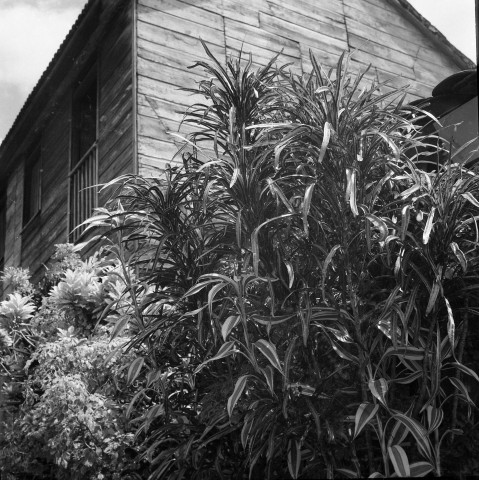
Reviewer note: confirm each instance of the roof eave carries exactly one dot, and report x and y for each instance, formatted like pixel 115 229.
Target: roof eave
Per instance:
pixel 30 103
pixel 461 60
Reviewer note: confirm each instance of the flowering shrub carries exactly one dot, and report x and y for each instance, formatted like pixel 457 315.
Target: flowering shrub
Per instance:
pixel 18 279
pixel 77 289
pixel 63 397
pixel 64 258
pixel 77 430
pixel 17 309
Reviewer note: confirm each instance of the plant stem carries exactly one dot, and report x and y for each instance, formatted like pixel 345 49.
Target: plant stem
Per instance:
pixel 383 446
pixel 426 366
pixel 460 353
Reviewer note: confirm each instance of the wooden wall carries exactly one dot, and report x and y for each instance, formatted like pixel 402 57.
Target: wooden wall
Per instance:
pixel 144 48
pixel 13 217
pixel 49 227
pixel 109 39
pixel 168 33
pixel 115 140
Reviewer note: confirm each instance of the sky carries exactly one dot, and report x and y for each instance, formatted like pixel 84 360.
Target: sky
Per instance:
pixel 32 30
pixel 30 33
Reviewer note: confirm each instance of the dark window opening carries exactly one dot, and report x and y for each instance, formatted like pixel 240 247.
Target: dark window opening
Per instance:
pixel 84 171
pixel 32 192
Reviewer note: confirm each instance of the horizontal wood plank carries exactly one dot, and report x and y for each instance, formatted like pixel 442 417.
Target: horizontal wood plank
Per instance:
pixel 184 44
pixel 307 36
pixel 322 10
pixel 187 11
pixel 157 108
pixel 262 38
pixel 308 18
pixel 164 91
pixel 260 56
pixel 153 147
pixel 176 77
pixel 176 24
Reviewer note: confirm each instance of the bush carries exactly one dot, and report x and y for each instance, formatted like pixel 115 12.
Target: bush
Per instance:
pixel 295 300
pixel 66 384
pixel 306 286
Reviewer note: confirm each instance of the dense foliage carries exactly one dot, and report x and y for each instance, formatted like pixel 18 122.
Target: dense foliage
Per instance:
pixel 299 298
pixel 63 386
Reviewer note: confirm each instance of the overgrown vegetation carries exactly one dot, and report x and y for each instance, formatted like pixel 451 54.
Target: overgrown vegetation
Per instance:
pixel 298 299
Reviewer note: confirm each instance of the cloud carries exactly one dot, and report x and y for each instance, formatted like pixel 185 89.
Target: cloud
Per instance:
pixel 44 5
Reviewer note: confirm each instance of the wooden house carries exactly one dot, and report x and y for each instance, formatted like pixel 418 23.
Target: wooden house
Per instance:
pixel 109 98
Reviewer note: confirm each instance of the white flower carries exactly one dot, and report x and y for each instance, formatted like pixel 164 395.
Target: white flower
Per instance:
pixel 17 308
pixel 78 288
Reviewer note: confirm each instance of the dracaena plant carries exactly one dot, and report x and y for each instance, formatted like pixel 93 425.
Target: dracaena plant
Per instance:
pixel 304 288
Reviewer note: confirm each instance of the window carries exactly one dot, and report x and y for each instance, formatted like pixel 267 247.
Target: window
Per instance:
pixel 32 194
pixel 84 169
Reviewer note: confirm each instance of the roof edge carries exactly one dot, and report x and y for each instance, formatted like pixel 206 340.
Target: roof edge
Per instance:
pixel 459 58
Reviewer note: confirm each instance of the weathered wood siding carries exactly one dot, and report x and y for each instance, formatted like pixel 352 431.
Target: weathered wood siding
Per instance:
pixel 49 226
pixel 168 33
pixel 115 136
pixel 13 217
pixel 110 42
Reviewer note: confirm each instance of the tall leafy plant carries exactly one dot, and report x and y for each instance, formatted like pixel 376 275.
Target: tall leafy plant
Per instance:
pixel 307 287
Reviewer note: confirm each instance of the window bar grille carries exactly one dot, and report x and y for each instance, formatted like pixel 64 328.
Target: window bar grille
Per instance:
pixel 83 194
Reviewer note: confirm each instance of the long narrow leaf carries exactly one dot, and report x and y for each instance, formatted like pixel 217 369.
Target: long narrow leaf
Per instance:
pixel 407 352
pixel 420 469
pixel 405 216
pixel 268 373
pixel 326 265
pixel 269 351
pixel 379 389
pixel 364 414
pixel 436 288
pixel 344 353
pixel 399 460
pixel 459 255
pixel 464 369
pixel 212 293
pixel 134 370
pixel 418 432
pixel 470 197
pixel 294 457
pixel 255 243
pixel 347 473
pixel 434 418
pixel 308 196
pixel 120 325
pixel 462 389
pixel 229 324
pixel 237 391
pixel 398 434
pixel 428 227
pixel 325 142
pixel 451 326
pixel 226 349
pixel 276 190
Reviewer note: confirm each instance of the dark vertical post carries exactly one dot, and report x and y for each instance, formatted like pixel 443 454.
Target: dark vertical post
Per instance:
pixel 477 33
